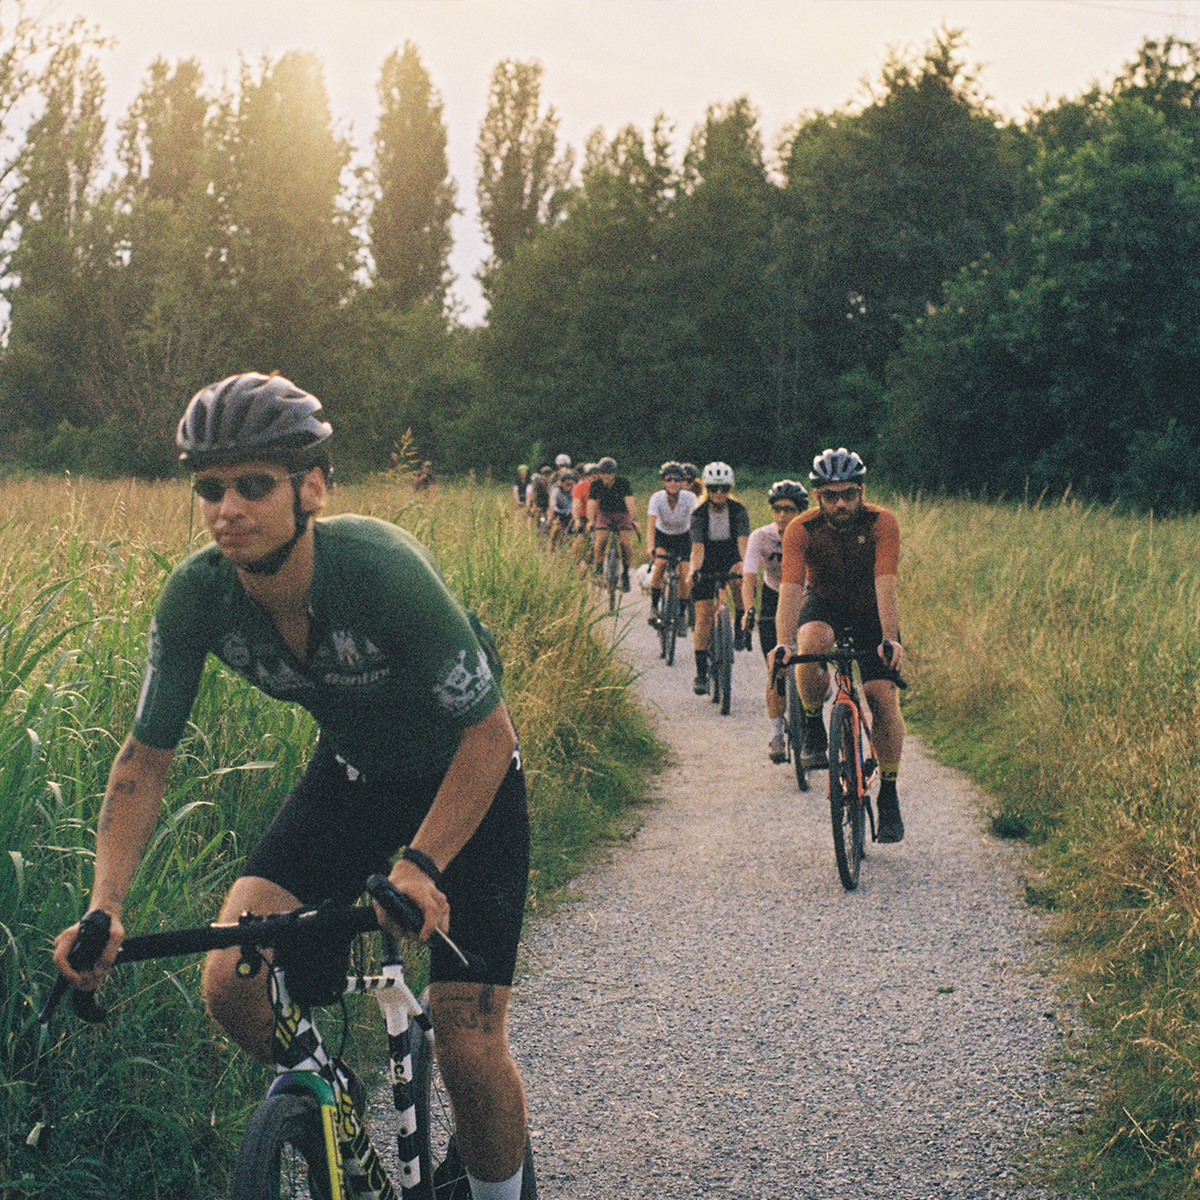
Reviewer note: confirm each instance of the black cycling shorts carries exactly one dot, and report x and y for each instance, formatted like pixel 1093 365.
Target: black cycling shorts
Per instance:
pixel 332 832
pixel 863 627
pixel 678 545
pixel 718 558
pixel 766 620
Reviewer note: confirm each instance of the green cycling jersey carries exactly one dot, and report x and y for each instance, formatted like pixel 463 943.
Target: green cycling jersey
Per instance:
pixel 395 667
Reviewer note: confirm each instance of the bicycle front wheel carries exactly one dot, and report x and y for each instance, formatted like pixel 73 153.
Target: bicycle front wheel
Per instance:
pixel 724 636
pixel 435 1122
pixel 845 798
pixel 612 573
pixel 793 727
pixel 282 1155
pixel 670 619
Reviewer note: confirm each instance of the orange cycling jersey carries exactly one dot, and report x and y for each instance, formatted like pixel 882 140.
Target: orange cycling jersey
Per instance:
pixel 841 562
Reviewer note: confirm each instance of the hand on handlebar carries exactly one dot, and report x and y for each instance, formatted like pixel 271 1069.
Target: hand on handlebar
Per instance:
pixel 86 973
pixel 408 878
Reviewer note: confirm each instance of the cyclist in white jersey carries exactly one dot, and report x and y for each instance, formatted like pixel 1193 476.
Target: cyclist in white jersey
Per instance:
pixel 669 522
pixel 764 557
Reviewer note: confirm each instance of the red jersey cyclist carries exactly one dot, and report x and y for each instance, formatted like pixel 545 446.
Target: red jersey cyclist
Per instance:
pixel 764 557
pixel 720 531
pixel 846 551
pixel 668 534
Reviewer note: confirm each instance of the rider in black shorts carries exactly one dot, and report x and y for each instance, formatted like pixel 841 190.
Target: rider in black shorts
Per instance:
pixel 764 557
pixel 350 618
pixel 720 531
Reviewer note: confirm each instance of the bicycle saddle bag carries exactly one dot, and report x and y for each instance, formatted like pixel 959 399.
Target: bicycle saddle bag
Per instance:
pixel 314 965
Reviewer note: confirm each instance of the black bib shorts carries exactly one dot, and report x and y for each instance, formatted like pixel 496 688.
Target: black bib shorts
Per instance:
pixel 338 827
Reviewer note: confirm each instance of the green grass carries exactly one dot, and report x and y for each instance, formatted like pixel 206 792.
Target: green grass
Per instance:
pixel 1055 653
pixel 151 1104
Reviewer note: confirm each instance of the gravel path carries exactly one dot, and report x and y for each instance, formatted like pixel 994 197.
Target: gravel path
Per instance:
pixel 715 1017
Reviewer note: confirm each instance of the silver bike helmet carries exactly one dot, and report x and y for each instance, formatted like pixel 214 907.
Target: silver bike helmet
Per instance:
pixel 837 466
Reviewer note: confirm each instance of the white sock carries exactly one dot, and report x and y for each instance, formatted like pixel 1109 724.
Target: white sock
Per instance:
pixel 506 1189
pixel 777 724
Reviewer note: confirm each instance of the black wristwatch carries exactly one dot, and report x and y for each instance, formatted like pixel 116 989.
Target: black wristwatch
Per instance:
pixel 423 863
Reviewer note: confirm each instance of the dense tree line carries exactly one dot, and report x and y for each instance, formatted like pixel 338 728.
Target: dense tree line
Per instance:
pixel 974 303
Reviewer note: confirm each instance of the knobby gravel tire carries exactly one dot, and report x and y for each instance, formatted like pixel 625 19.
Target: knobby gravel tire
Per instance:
pixel 282 1155
pixel 845 803
pixel 612 575
pixel 671 616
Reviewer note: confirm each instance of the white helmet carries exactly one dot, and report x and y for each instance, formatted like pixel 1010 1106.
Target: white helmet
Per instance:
pixel 563 460
pixel 718 473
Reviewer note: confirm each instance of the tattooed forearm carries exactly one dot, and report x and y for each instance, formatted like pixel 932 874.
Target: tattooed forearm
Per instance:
pixel 127 754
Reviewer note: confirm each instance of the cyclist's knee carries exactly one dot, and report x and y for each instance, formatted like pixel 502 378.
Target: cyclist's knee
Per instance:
pixel 241 1007
pixel 815 637
pixel 469 1022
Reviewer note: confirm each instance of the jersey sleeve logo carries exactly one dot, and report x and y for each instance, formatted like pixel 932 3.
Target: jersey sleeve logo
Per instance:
pixel 235 651
pixel 462 688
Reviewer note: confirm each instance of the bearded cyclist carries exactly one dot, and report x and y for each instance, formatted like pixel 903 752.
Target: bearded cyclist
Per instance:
pixel 764 557
pixel 720 531
pixel 847 552
pixel 350 618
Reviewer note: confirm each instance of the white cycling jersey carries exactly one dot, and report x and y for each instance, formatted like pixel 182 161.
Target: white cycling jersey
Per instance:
pixel 764 555
pixel 670 520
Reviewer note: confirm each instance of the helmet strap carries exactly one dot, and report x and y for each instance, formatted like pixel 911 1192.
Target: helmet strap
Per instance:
pixel 272 562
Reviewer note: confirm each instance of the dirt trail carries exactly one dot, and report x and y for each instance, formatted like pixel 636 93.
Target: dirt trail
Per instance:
pixel 716 1017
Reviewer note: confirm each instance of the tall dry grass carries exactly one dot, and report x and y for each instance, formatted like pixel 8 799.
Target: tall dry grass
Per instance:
pixel 1056 657
pixel 152 1103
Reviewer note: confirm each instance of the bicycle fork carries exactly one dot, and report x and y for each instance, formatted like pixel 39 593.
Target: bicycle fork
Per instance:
pixel 303 1065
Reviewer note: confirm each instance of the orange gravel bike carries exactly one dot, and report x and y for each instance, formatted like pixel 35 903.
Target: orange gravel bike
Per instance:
pixel 853 763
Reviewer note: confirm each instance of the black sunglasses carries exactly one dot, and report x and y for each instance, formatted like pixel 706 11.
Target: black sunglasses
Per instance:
pixel 672 479
pixel 256 486
pixel 719 487
pixel 847 494
pixel 784 508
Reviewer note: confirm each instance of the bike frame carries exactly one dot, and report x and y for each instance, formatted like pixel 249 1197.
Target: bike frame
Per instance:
pixel 302 1064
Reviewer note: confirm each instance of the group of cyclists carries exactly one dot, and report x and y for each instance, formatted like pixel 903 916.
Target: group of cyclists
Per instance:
pixel 416 773
pixel 814 572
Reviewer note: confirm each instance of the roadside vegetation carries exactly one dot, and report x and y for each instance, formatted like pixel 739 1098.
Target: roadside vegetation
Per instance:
pixel 1055 649
pixel 151 1104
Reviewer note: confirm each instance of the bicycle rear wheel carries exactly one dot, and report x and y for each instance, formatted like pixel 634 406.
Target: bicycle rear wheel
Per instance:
pixel 282 1155
pixel 845 799
pixel 793 725
pixel 441 1164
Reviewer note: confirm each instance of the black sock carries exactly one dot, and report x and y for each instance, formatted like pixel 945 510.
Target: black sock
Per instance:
pixel 655 597
pixel 701 662
pixel 887 787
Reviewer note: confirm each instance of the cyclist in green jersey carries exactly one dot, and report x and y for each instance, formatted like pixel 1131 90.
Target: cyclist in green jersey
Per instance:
pixel 350 618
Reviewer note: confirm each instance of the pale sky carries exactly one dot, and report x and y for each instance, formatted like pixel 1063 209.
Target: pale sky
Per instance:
pixel 611 62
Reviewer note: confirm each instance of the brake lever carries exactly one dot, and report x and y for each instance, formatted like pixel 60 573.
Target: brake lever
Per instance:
pixel 407 913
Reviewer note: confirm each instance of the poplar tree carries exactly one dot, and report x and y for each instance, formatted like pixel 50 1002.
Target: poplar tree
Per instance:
pixel 410 223
pixel 292 250
pixel 522 178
